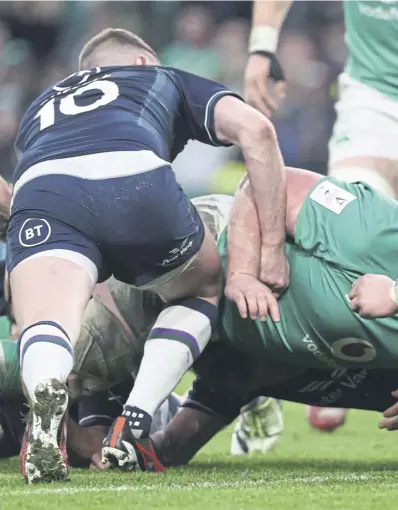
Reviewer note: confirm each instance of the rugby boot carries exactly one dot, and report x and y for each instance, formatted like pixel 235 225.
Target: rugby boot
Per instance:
pixel 43 453
pixel 121 449
pixel 258 428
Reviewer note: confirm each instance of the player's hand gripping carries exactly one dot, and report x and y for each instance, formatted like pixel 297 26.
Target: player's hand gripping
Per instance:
pixel 371 296
pixel 274 269
pixel 258 92
pixel 252 298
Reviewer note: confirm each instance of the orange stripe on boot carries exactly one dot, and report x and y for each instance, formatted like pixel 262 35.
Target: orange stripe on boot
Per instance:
pixel 157 465
pixel 118 427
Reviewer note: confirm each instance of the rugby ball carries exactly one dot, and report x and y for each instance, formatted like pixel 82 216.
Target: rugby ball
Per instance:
pixel 325 419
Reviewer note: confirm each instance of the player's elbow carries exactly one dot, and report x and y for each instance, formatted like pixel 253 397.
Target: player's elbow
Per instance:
pixel 261 129
pixel 258 131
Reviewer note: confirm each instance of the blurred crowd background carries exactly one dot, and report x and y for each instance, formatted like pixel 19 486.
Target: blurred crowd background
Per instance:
pixel 40 42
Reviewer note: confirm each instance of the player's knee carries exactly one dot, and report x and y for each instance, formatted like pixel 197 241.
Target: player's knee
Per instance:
pixel 370 176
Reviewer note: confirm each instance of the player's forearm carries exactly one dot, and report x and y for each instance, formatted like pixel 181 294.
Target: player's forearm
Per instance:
pixel 238 123
pixel 267 20
pixel 84 442
pixel 244 238
pixel 270 12
pixel 267 177
pixel 185 435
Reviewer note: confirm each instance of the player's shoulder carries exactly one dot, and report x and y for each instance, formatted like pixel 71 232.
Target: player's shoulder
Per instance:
pixel 84 76
pixel 126 74
pixel 185 78
pixel 45 96
pixel 151 72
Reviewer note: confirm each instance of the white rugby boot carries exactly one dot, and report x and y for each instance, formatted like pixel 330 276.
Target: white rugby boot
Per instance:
pixel 259 427
pixel 43 454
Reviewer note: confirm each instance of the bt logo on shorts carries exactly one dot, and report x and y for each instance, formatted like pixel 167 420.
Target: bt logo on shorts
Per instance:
pixel 33 232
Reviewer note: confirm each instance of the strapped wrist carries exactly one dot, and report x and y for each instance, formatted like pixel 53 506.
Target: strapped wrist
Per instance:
pixel 263 38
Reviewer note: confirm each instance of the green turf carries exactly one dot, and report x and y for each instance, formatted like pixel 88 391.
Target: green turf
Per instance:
pixel 353 468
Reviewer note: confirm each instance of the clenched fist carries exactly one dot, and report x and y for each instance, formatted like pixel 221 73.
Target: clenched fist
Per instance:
pixel 371 296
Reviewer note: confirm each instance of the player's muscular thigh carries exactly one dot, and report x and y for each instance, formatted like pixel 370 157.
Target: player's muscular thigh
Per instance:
pixel 32 286
pixel 383 168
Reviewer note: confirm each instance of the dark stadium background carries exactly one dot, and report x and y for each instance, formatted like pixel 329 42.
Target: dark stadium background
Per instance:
pixel 40 41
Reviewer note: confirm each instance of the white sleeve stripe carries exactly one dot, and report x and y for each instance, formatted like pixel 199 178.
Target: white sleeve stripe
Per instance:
pixel 209 102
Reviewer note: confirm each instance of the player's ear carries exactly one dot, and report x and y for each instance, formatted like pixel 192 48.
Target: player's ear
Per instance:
pixel 141 60
pixel 145 60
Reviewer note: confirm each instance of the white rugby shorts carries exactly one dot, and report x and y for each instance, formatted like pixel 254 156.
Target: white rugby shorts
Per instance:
pixel 366 123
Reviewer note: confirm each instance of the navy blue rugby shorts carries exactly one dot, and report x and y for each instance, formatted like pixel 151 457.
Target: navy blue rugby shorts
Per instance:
pixel 120 213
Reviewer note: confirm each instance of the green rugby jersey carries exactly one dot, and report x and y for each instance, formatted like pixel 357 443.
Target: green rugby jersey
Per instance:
pixel 343 231
pixel 372 40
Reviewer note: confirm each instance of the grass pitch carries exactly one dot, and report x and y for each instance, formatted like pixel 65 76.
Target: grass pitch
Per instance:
pixel 353 468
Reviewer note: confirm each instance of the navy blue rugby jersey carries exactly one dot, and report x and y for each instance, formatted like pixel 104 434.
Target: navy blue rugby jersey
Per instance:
pixel 119 108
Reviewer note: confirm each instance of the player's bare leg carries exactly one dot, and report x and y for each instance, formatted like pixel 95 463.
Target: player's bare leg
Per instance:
pixel 193 317
pixel 49 297
pixel 177 338
pixel 380 173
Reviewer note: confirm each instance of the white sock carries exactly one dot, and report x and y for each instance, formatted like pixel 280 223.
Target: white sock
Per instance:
pixel 164 364
pixel 45 353
pixel 177 338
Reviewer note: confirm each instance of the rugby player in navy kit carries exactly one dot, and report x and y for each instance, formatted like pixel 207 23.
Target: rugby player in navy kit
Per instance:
pixel 95 195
